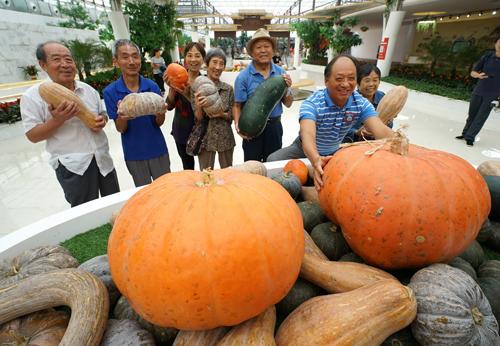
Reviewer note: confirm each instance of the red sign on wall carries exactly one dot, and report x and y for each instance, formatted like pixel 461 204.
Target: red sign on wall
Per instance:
pixel 382 48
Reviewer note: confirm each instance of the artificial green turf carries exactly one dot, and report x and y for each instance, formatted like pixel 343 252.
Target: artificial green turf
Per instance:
pixel 90 244
pixel 95 243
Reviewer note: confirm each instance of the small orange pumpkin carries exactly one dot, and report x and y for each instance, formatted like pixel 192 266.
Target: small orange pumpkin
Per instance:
pixel 177 75
pixel 199 250
pixel 298 168
pixel 404 210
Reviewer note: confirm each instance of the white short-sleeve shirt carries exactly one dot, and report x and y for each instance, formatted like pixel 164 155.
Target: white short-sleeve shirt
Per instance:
pixel 73 144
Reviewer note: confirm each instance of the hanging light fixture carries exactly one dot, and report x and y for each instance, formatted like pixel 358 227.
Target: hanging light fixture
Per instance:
pixel 468 15
pixel 494 12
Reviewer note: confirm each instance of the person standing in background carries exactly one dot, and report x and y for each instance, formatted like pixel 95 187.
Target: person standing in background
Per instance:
pixel 487 90
pixel 158 65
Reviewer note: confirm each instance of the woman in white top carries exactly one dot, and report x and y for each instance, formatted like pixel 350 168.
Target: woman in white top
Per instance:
pixel 158 65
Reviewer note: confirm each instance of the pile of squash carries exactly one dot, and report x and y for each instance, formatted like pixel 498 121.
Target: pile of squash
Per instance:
pixel 232 258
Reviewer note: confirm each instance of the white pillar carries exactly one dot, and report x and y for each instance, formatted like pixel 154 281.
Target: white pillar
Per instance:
pixel 207 43
pixel 119 25
pixel 390 35
pixel 296 52
pixel 174 53
pixel 330 53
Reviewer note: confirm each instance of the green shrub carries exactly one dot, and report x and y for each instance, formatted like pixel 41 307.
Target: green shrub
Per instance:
pixel 457 92
pixel 100 80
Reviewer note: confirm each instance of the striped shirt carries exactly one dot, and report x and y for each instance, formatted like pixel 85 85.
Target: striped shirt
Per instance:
pixel 333 122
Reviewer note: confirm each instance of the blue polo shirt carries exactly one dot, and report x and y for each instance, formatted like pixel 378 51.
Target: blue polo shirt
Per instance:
pixel 333 122
pixel 249 79
pixel 143 139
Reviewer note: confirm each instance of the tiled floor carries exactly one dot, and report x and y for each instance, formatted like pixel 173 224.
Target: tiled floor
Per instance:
pixel 29 190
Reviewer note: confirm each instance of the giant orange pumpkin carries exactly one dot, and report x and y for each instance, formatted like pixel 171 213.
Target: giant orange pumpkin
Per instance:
pixel 410 210
pixel 198 250
pixel 177 76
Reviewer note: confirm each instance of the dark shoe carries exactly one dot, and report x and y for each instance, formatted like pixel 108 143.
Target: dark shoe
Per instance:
pixel 470 143
pixel 460 137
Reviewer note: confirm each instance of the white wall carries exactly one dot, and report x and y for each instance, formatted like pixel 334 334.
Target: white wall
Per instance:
pixel 372 37
pixel 21 32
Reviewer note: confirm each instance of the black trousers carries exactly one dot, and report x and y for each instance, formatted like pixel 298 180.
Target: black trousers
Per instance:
pixel 79 189
pixel 270 140
pixel 479 110
pixel 187 160
pixel 159 80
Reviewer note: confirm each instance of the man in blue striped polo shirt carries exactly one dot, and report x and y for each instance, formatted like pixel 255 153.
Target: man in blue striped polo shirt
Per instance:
pixel 328 115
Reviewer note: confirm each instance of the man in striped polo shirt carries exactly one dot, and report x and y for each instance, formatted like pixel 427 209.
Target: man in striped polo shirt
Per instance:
pixel 328 115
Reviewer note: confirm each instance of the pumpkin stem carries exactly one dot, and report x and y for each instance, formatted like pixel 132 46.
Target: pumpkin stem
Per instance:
pixel 477 316
pixel 399 143
pixel 208 178
pixel 13 270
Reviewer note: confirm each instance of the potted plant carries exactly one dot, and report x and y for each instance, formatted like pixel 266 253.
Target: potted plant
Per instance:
pixel 30 70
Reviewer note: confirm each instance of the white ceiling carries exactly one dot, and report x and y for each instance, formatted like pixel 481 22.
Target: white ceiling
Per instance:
pixel 277 7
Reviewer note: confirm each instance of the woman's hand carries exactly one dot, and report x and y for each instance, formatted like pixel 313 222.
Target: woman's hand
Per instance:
pixel 166 79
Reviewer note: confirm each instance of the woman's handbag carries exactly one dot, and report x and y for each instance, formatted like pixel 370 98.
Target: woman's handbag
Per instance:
pixel 196 136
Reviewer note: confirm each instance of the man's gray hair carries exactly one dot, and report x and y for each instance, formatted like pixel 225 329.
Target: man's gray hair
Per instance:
pixel 215 53
pixel 123 42
pixel 40 50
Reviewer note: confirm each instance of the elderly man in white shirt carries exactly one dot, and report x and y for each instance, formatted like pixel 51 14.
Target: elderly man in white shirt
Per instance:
pixel 79 155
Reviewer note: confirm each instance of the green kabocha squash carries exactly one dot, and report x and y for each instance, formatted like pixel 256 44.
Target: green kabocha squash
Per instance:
pixel 493 241
pixel 489 280
pixel 330 240
pixel 351 257
pixel 460 263
pixel 474 254
pixel 451 309
pixel 312 215
pixel 256 111
pixel 162 335
pixel 485 232
pixel 402 338
pixel 126 333
pixel 289 181
pixel 301 291
pixel 493 183
pixel 99 266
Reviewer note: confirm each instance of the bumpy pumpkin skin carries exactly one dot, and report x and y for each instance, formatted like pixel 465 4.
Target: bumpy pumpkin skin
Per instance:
pixel 187 253
pixel 404 211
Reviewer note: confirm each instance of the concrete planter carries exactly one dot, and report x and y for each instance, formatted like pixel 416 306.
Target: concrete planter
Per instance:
pixel 312 68
pixel 68 223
